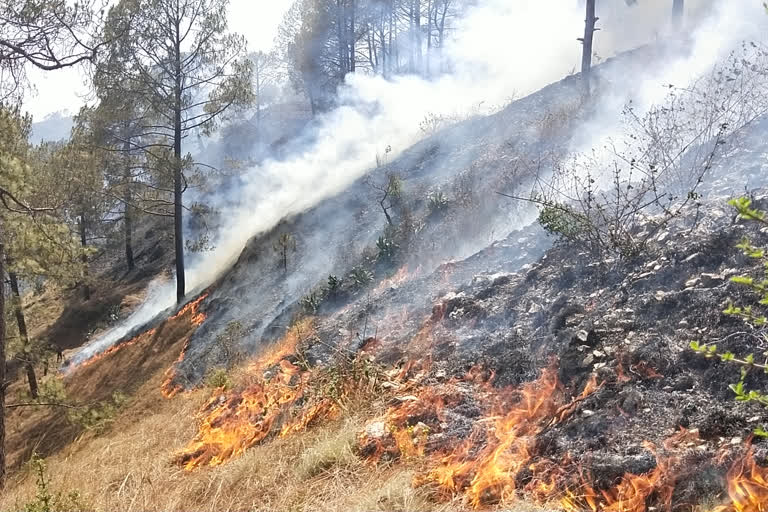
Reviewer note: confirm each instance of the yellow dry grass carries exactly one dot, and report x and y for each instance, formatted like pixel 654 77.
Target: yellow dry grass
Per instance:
pixel 129 468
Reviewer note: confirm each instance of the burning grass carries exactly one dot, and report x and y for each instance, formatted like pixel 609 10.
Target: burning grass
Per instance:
pixel 283 397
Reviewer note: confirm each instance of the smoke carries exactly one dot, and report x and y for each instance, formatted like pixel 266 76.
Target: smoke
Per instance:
pixel 502 49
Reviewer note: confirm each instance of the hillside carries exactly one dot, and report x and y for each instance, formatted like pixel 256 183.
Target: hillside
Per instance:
pixel 419 341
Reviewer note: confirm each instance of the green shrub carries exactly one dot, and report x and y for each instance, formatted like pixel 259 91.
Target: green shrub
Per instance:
pixel 334 286
pixel 752 316
pixel 218 378
pixel 387 247
pixel 360 276
pixel 437 201
pixel 100 416
pixel 311 303
pixel 48 501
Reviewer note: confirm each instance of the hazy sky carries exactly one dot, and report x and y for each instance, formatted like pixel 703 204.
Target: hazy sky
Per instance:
pixel 65 90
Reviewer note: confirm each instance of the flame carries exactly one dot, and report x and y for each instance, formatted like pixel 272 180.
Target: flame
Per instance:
pixel 396 280
pixel 747 485
pixel 238 420
pixel 629 495
pixel 117 347
pixel 284 347
pixel 169 388
pixel 489 476
pixel 196 319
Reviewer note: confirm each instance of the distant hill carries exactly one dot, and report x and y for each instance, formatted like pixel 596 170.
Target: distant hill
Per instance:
pixel 53 127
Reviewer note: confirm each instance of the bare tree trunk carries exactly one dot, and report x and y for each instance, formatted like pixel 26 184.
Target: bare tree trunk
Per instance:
pixel 352 38
pixel 128 211
pixel 257 72
pixel 589 32
pixel 23 334
pixel 84 257
pixel 340 35
pixel 177 177
pixel 417 35
pixel 678 8
pixel 3 384
pixel 429 37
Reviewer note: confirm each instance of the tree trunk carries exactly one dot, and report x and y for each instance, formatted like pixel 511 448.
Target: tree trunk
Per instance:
pixel 84 258
pixel 21 321
pixel 178 234
pixel 417 36
pixel 257 76
pixel 341 36
pixel 589 32
pixel 2 369
pixel 352 37
pixel 428 69
pixel 678 8
pixel 128 212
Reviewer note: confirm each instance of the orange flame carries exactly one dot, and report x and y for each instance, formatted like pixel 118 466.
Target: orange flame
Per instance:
pixel 747 485
pixel 169 388
pixel 196 319
pixel 115 348
pixel 238 420
pixel 629 495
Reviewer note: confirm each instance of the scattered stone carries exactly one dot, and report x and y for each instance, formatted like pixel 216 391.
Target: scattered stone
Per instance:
pixel 711 280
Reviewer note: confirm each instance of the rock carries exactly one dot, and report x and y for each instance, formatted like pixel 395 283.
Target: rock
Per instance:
pixel 694 281
pixel 692 257
pixel 632 402
pixel 683 383
pixel 712 280
pixel 376 430
pixel 683 323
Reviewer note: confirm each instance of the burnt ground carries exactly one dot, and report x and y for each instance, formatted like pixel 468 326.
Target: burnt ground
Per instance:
pixel 629 323
pixel 517 305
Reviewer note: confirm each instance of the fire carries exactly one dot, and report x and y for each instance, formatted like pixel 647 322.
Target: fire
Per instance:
pixel 396 280
pixel 284 347
pixel 196 318
pixel 241 420
pixel 115 348
pixel 629 495
pixel 278 404
pixel 490 474
pixel 747 485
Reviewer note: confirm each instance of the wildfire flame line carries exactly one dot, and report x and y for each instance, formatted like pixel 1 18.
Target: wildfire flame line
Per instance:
pixel 196 319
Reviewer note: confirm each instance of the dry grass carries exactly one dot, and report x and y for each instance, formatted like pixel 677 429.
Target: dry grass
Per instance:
pixel 129 467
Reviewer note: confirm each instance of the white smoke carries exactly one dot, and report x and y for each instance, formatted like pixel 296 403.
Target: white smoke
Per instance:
pixel 501 49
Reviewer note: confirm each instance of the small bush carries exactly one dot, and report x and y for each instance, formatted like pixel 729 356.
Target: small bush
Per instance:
pixel 218 378
pixel 311 303
pixel 227 344
pixel 334 286
pixel 100 416
pixel 751 315
pixel 48 501
pixel 437 201
pixel 360 276
pixel 387 247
